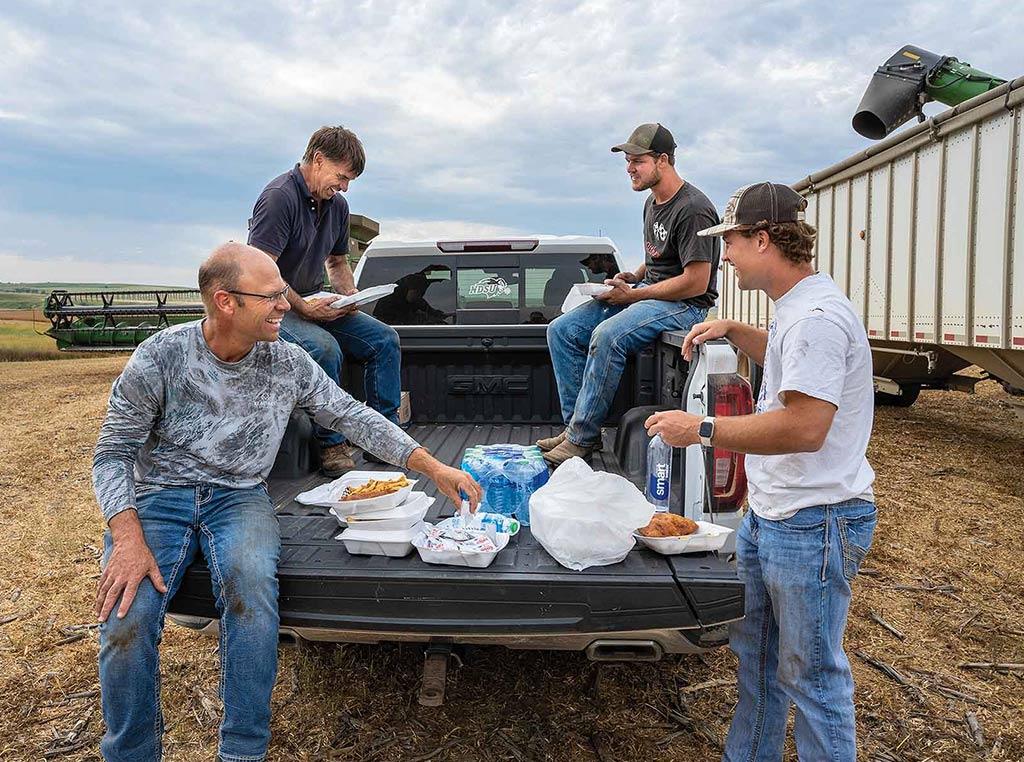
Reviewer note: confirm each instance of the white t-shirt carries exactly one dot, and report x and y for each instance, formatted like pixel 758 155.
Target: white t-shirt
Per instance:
pixel 816 346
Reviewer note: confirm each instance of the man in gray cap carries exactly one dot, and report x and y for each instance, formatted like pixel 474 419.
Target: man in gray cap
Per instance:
pixel 812 512
pixel 672 290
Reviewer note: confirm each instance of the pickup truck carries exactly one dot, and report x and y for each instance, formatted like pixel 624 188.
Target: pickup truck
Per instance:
pixel 472 318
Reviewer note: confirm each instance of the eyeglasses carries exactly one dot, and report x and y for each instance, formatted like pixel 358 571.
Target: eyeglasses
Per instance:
pixel 269 297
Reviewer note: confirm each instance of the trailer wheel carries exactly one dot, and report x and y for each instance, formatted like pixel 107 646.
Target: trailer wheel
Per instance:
pixel 906 399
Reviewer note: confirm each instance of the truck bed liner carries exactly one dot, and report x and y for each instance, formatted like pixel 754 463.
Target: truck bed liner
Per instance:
pixel 524 592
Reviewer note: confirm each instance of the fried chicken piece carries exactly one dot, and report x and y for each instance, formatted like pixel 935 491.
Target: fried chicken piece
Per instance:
pixel 669 525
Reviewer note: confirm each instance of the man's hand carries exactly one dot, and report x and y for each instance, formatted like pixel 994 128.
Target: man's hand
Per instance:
pixel 129 564
pixel 321 311
pixel 621 293
pixel 455 483
pixel 626 277
pixel 706 331
pixel 677 428
pixel 451 481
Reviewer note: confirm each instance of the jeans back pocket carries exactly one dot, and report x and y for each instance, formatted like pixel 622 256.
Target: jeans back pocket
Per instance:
pixel 855 534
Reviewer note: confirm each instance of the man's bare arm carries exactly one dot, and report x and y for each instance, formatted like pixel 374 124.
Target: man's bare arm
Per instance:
pixel 750 340
pixel 801 426
pixel 339 273
pixel 692 282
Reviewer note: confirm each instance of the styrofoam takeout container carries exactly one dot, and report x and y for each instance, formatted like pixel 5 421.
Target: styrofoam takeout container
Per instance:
pixel 473 559
pixel 367 295
pixel 593 289
pixel 708 537
pixel 394 543
pixel 408 514
pixel 329 495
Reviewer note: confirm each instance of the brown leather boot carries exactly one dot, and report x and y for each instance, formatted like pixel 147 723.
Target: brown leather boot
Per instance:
pixel 337 459
pixel 566 450
pixel 551 442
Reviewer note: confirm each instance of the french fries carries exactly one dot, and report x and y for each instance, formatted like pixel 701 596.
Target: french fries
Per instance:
pixel 375 488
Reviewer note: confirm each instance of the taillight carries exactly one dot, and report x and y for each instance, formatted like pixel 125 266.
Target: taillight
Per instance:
pixel 730 395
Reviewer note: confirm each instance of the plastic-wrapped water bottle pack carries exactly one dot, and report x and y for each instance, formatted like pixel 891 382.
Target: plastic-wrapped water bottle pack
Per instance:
pixel 509 475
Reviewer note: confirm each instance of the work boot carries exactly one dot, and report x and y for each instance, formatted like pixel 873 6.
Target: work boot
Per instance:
pixel 337 459
pixel 566 450
pixel 552 442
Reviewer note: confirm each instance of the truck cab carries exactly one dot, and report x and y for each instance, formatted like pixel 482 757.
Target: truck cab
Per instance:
pixel 472 318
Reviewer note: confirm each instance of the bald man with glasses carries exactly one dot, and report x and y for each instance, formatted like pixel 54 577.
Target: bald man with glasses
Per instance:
pixel 192 429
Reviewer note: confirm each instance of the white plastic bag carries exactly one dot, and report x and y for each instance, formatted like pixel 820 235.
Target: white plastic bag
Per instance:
pixel 587 518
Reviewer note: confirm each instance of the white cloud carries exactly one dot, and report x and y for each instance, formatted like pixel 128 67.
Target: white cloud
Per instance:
pixel 482 111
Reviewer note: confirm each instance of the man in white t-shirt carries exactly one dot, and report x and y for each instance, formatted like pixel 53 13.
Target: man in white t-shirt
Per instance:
pixel 812 512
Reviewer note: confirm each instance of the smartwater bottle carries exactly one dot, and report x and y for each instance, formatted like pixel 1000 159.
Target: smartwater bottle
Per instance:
pixel 659 473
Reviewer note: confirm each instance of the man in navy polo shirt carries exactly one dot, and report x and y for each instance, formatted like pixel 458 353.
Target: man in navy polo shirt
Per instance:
pixel 301 220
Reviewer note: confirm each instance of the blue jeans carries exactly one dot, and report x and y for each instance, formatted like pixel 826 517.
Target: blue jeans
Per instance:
pixel 237 532
pixel 589 346
pixel 797 574
pixel 364 339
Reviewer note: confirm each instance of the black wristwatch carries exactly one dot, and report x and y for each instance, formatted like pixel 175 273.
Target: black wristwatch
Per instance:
pixel 706 430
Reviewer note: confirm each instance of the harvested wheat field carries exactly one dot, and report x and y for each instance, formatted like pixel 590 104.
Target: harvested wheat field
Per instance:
pixel 942 587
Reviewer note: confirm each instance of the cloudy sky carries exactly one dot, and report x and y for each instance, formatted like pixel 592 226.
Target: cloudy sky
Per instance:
pixel 136 136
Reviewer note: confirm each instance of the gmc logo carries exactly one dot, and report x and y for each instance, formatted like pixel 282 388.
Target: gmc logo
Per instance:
pixel 488 384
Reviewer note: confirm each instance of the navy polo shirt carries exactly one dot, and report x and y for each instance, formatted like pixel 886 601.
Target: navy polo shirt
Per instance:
pixel 287 223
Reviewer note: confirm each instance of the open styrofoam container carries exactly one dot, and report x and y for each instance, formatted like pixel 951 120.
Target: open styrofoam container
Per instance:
pixel 329 495
pixel 593 289
pixel 394 543
pixel 402 516
pixel 707 537
pixel 474 559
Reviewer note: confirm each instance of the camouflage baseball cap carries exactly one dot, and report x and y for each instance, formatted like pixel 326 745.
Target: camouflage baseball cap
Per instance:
pixel 757 204
pixel 648 138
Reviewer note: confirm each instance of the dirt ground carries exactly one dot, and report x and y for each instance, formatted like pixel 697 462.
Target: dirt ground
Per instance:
pixel 945 571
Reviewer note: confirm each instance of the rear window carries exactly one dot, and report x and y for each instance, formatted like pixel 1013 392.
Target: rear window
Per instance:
pixel 425 293
pixel 438 290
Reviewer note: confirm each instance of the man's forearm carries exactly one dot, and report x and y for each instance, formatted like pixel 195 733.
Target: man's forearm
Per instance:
pixel 691 283
pixel 339 273
pixel 773 433
pixel 422 461
pixel 750 340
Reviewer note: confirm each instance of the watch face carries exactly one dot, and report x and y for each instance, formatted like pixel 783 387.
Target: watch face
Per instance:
pixel 706 429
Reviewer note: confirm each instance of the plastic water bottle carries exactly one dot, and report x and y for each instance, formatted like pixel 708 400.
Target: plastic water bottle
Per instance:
pixel 523 473
pixel 659 473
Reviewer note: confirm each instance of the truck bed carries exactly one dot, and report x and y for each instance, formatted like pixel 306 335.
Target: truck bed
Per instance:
pixel 525 598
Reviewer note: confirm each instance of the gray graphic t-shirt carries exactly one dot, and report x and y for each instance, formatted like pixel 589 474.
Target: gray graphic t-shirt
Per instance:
pixel 179 416
pixel 671 241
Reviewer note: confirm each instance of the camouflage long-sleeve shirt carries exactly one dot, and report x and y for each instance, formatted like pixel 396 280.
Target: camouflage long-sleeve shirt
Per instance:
pixel 179 416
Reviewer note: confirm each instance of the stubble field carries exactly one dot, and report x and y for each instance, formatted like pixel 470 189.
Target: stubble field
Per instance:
pixel 945 572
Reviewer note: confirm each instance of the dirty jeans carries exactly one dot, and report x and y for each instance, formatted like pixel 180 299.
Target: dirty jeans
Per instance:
pixel 237 532
pixel 589 346
pixel 365 340
pixel 797 574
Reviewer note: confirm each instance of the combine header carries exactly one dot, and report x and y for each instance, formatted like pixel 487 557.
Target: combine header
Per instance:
pixel 116 321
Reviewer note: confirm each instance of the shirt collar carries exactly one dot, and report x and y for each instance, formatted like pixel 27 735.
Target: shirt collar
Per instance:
pixel 304 193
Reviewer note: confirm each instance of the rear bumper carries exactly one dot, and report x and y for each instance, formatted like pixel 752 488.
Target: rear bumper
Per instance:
pixel 661 641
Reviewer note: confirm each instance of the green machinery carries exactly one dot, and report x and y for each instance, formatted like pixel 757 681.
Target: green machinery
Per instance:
pixel 105 321
pixel 909 79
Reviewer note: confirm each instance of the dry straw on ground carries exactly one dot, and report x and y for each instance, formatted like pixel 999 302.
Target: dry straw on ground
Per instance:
pixel 945 573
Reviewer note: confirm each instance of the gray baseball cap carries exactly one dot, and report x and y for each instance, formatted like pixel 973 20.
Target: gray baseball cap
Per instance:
pixel 758 204
pixel 648 138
